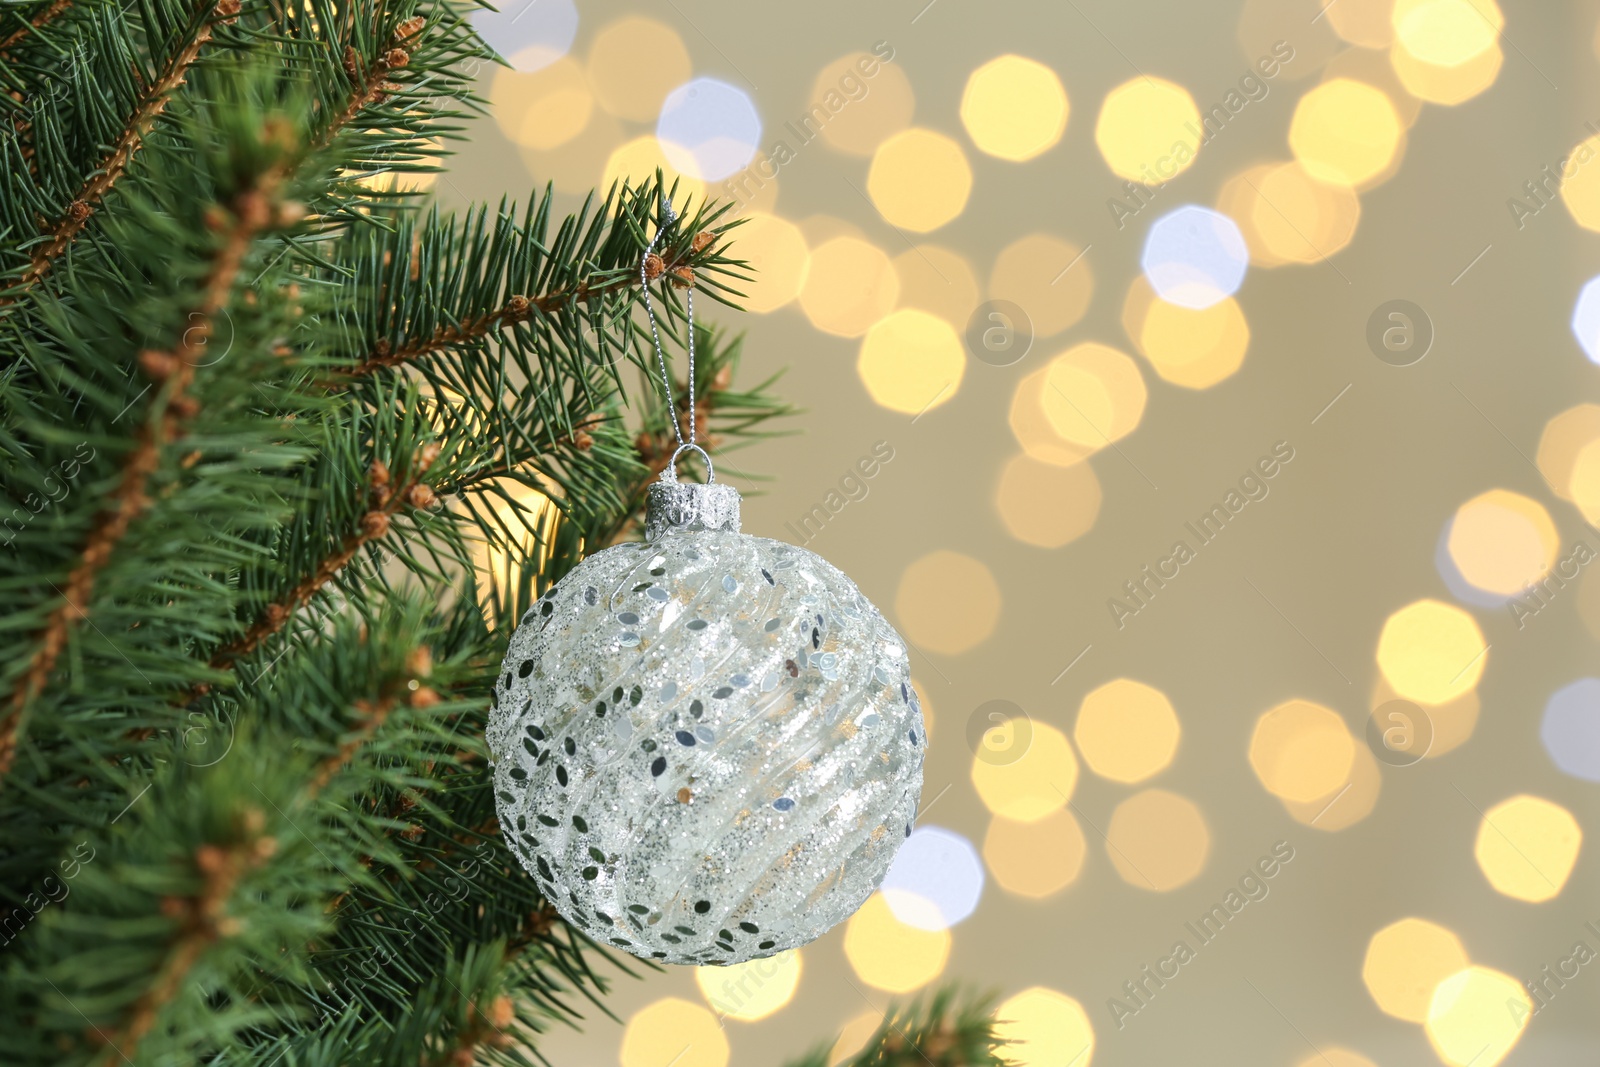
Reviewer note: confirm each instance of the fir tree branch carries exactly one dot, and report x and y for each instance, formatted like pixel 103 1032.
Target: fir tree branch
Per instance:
pixel 414 492
pixel 522 308
pixel 948 1029
pixel 172 405
pixel 204 922
pixel 372 83
pixel 38 22
pixel 60 234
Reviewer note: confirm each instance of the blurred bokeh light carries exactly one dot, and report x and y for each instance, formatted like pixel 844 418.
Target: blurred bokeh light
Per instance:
pixel 751 990
pixel 1194 257
pixel 633 64
pixel 919 180
pixel 936 867
pixel 890 955
pixel 708 128
pixel 1014 108
pixel 947 602
pixel 1158 840
pixel 1127 730
pixel 1406 961
pixel 1527 846
pixel 1571 729
pixel 911 361
pixel 1035 859
pixel 673 1032
pixel 1476 1017
pixel 1031 785
pixel 1040 1027
pixel 1045 504
pixel 1301 751
pixel 1148 130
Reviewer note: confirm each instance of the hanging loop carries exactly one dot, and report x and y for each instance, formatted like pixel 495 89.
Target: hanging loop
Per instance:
pixel 670 472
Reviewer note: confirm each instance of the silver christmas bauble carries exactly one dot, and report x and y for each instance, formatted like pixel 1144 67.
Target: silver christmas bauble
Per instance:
pixel 706 745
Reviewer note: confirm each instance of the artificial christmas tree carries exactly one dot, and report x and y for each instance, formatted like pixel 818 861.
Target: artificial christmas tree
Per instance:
pixel 285 452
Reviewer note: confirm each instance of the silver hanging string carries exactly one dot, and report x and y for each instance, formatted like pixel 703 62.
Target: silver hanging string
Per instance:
pixel 670 218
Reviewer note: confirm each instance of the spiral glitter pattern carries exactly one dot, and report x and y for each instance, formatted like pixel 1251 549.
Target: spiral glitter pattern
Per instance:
pixel 706 746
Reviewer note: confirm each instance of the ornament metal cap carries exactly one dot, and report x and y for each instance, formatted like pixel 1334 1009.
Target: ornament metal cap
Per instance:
pixel 671 505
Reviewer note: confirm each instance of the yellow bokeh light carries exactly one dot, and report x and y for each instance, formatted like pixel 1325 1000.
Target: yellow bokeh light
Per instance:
pixel 1039 1027
pixel 1093 395
pixel 1405 961
pixel 1149 130
pixel 1376 69
pixel 937 280
pixel 1301 751
pixel 1334 1056
pixel 673 1032
pixel 1564 437
pixel 1292 40
pixel 751 990
pixel 858 102
pixel 888 954
pixel 1047 505
pixel 1589 602
pixel 1585 482
pixel 1194 348
pixel 919 180
pixel 1298 219
pixel 1476 1017
pixel 529 514
pixel 1032 427
pixel 1447 85
pixel 1014 108
pixel 1035 859
pixel 1527 847
pixel 1367 23
pixel 1451 723
pixel 947 602
pixel 1351 802
pixel 1127 731
pixel 854 1035
pixel 1502 542
pixel 542 109
pixel 849 286
pixel 1431 652
pixel 1237 199
pixel 572 167
pixel 1580 189
pixel 637 161
pixel 1158 840
pixel 911 361
pixel 1446 33
pixel 778 257
pixel 1045 276
pixel 634 63
pixel 1346 132
pixel 1034 785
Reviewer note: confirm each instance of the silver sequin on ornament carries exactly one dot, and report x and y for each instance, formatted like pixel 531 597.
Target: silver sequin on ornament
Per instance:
pixel 706 746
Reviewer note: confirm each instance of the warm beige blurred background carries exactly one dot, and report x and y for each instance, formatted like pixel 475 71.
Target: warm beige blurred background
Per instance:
pixel 1401 491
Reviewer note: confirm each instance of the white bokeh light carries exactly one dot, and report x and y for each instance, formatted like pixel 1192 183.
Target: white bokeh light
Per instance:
pixel 708 129
pixel 531 34
pixel 1194 257
pixel 1571 729
pixel 936 879
pixel 1586 319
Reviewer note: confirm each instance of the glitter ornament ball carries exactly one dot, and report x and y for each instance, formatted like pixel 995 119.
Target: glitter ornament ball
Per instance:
pixel 706 745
